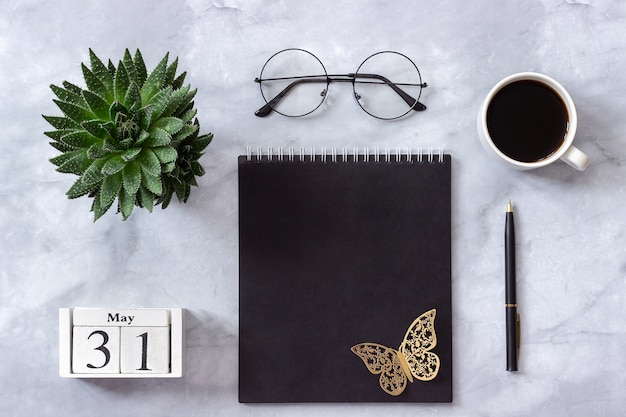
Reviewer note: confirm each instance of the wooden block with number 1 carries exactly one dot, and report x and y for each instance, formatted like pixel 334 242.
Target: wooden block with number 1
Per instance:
pixel 145 350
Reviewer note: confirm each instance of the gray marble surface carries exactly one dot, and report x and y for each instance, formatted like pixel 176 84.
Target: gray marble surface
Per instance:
pixel 571 240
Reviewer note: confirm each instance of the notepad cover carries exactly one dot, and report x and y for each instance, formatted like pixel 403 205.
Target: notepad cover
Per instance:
pixel 333 254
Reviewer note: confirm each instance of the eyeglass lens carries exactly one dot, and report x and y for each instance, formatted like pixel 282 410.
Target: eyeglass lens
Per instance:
pixel 382 84
pixel 294 82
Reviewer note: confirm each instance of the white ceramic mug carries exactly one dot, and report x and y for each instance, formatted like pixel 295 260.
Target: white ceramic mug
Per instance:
pixel 566 151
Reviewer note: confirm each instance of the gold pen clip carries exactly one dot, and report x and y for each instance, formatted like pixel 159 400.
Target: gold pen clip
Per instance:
pixel 518 331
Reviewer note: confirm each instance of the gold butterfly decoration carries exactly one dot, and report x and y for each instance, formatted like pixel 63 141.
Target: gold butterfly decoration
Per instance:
pixel 412 359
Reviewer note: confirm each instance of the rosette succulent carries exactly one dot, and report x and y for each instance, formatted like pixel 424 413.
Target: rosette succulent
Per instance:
pixel 130 136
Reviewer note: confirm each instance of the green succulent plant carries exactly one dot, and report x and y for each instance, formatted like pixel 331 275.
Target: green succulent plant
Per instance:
pixel 130 135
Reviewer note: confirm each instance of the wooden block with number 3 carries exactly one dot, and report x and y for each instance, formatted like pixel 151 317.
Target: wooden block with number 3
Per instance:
pixel 96 350
pixel 145 350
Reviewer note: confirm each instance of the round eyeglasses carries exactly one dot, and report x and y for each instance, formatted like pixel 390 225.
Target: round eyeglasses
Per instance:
pixel 294 83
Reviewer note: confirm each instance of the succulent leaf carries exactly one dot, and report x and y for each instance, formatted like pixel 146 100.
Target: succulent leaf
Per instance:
pixel 186 102
pixel 129 135
pixel 188 115
pixel 110 128
pixel 178 82
pixel 130 67
pixel 170 72
pixel 159 102
pixel 186 131
pixel 168 167
pixel 155 80
pixel 112 145
pixel 171 125
pixel 145 117
pixel 165 154
pixel 99 208
pixel 94 84
pixel 58 134
pixel 202 142
pixel 142 137
pixel 111 185
pixel 175 101
pixel 131 177
pixel 126 203
pixel 197 169
pixel 166 198
pixel 79 189
pixel 146 198
pixel 61 146
pixel 101 71
pixel 149 162
pixel 74 112
pixel 111 69
pixel 93 174
pixel 121 82
pixel 96 151
pixel 140 67
pixel 58 122
pixel 64 157
pixel 130 154
pixel 75 165
pixel 158 137
pixel 113 165
pixel 132 99
pixel 72 87
pixel 152 183
pixel 98 106
pixel 182 191
pixel 96 128
pixel 69 96
pixel 79 139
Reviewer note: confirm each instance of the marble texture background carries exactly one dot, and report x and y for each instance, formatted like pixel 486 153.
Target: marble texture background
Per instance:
pixel 571 239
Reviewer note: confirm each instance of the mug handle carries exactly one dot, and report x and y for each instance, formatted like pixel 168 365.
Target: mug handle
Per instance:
pixel 576 158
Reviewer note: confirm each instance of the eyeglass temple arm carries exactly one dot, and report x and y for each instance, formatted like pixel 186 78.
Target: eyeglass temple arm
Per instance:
pixel 268 108
pixel 417 106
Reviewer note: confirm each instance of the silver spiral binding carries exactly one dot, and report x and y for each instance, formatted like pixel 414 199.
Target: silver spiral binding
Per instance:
pixel 406 155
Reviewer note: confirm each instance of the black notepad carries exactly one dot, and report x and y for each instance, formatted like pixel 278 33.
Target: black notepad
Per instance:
pixel 339 256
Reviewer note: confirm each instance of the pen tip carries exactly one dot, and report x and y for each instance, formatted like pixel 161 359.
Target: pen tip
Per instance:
pixel 509 207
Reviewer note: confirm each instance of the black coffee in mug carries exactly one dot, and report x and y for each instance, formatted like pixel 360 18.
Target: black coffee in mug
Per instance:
pixel 527 121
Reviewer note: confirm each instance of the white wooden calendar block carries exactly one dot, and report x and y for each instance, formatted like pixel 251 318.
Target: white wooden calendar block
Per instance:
pixel 145 350
pixel 121 343
pixel 96 350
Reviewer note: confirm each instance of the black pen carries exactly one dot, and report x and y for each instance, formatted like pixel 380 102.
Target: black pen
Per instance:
pixel 510 300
